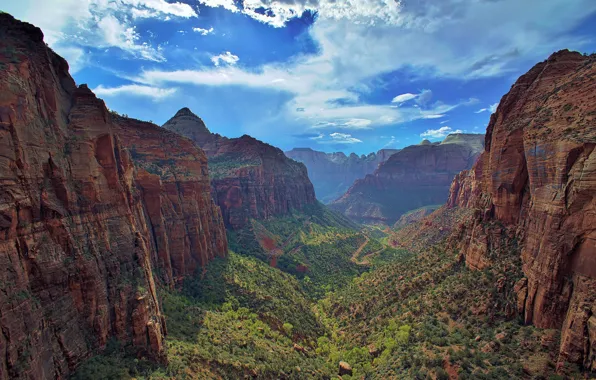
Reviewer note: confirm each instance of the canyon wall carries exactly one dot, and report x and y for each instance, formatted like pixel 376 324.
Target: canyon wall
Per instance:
pixel 534 188
pixel 333 173
pixel 250 179
pixel 95 211
pixel 417 176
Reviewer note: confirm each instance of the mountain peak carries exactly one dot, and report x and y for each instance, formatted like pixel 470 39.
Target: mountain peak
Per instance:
pixel 185 112
pixel 186 123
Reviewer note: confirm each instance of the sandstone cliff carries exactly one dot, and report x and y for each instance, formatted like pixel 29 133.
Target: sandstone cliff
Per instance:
pixel 249 179
pixel 95 209
pixel 333 173
pixel 417 176
pixel 534 189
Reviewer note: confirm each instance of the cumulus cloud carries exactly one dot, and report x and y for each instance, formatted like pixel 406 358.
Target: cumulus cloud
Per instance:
pixel 150 8
pixel 135 90
pixel 439 133
pixel 116 34
pixel 358 40
pixel 227 58
pixel 278 13
pixel 202 31
pixel 226 4
pixel 69 25
pixel 492 108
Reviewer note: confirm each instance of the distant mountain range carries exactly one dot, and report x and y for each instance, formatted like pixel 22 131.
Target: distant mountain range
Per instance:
pixel 333 173
pixel 417 176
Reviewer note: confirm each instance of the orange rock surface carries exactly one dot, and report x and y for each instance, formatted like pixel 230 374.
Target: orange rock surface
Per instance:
pixel 249 178
pixel 537 180
pixel 92 207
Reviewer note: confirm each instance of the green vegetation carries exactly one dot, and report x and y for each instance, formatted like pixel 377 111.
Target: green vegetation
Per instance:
pixel 390 313
pixel 315 245
pixel 242 318
pixel 220 166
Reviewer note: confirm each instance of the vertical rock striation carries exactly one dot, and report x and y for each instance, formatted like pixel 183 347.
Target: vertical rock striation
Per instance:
pixel 95 209
pixel 537 180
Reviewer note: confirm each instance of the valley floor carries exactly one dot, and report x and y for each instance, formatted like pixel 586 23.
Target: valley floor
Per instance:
pixel 342 294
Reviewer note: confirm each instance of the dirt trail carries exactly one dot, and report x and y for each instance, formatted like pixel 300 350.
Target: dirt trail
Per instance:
pixel 364 260
pixel 357 252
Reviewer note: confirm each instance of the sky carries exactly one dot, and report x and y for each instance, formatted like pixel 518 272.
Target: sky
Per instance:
pixel 332 75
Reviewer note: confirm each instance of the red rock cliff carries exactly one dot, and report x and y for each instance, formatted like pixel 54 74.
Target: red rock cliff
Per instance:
pixel 250 179
pixel 537 178
pixel 92 207
pixel 417 176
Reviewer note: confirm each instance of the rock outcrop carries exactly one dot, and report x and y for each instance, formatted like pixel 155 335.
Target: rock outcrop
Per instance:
pixel 249 179
pixel 96 210
pixel 534 189
pixel 417 176
pixel 333 173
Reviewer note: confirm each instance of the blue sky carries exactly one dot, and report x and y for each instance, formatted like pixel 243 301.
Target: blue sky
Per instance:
pixel 350 75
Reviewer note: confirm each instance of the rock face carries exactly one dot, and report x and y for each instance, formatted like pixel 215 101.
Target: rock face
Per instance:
pixel 537 180
pixel 333 173
pixel 92 207
pixel 249 179
pixel 417 176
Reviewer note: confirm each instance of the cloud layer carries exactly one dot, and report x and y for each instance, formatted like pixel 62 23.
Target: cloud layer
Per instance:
pixel 440 133
pixel 361 45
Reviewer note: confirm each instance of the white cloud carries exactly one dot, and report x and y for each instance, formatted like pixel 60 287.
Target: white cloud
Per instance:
pixel 116 34
pixel 70 25
pixel 135 90
pixel 424 98
pixel 492 108
pixel 227 4
pixel 391 142
pixel 342 138
pixel 147 8
pixel 444 121
pixel 75 57
pixel 439 133
pixel 403 98
pixel 358 40
pixel 227 58
pixel 432 116
pixel 202 31
pixel 315 97
pixel 278 13
pixel 358 123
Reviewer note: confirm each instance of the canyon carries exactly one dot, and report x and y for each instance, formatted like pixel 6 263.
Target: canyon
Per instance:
pixel 116 231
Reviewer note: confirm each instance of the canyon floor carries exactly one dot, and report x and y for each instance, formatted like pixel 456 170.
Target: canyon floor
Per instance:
pixel 387 311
